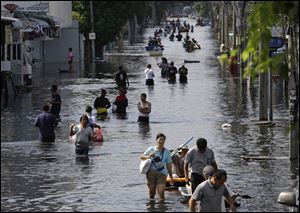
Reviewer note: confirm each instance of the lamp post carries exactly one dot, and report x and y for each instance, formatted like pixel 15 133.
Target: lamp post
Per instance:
pixel 92 31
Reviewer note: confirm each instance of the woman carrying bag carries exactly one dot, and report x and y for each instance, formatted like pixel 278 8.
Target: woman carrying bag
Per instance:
pixel 161 165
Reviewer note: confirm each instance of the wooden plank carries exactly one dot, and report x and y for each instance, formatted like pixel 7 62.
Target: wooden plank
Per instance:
pixel 191 61
pixel 263 158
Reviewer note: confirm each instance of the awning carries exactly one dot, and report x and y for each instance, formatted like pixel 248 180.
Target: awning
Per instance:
pixel 16 23
pixel 40 17
pixel 39 22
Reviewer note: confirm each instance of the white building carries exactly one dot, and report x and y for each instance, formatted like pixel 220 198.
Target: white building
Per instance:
pixel 36 31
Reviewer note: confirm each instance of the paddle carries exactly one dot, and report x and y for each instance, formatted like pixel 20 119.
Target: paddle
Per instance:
pixel 179 148
pixel 242 196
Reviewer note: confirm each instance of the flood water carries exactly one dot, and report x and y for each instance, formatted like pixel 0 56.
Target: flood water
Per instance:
pixel 48 177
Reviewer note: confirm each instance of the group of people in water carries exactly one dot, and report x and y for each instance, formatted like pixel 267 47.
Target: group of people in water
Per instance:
pixel 208 188
pixel 169 71
pixel 206 179
pixel 84 133
pixel 188 44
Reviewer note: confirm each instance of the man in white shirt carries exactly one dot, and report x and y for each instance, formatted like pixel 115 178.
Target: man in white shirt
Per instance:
pixel 144 108
pixel 149 75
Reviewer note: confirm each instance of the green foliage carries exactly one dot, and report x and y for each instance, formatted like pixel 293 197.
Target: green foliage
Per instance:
pixel 202 8
pixel 223 57
pixel 260 22
pixel 109 17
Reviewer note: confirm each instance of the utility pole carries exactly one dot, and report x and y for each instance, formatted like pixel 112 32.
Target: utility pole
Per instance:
pixel 153 13
pixel 234 28
pixel 263 88
pixel 92 31
pixel 270 96
pixel 223 23
pixel 226 27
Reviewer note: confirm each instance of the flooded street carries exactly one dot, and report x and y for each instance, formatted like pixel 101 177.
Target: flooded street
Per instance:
pixel 47 177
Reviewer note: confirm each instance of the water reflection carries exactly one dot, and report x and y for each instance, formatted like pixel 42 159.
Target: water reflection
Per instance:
pixel 82 160
pixel 144 130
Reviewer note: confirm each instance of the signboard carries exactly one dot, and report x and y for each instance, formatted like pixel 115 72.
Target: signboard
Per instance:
pixel 8 34
pixel 27 6
pixel 92 36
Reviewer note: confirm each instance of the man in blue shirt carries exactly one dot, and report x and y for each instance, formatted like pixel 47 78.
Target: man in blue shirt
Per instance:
pixel 46 122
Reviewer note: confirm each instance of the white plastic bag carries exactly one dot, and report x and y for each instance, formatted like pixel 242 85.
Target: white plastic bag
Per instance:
pixel 145 166
pixel 114 107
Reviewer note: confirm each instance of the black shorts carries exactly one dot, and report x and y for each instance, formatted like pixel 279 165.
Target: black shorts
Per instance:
pixel 149 82
pixel 70 62
pixel 143 119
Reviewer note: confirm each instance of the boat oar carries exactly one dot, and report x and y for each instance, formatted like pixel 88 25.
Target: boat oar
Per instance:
pixel 179 148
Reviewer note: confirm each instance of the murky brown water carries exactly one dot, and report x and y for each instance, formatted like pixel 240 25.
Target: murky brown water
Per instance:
pixel 47 177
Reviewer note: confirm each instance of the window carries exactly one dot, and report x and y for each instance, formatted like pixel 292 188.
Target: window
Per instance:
pixel 14 57
pixel 18 51
pixel 8 58
pixel 2 52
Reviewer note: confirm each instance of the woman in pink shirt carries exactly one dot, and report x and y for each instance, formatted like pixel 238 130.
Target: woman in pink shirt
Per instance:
pixel 70 59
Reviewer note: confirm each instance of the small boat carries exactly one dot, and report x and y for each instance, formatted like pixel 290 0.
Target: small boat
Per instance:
pixel 191 61
pixel 186 192
pixel 155 52
pixel 153 47
pixel 65 70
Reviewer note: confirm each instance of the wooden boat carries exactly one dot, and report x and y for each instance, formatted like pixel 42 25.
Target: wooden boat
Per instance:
pixel 260 157
pixel 155 52
pixel 178 182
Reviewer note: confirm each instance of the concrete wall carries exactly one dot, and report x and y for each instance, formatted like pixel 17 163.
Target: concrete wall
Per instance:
pixel 63 11
pixel 57 49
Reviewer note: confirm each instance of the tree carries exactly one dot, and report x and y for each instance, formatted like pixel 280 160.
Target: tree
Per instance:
pixel 109 18
pixel 263 16
pixel 203 8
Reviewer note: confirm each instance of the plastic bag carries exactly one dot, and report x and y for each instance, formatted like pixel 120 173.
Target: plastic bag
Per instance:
pixel 145 166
